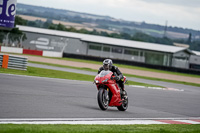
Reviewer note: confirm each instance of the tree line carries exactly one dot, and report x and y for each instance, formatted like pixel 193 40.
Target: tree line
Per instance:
pixel 138 36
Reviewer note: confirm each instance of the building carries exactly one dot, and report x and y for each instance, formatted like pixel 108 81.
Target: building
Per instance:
pixel 195 61
pixel 98 46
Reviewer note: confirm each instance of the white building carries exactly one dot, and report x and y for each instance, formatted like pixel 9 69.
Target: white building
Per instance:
pixel 105 47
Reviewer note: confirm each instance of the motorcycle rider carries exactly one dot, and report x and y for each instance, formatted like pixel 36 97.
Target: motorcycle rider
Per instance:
pixel 108 65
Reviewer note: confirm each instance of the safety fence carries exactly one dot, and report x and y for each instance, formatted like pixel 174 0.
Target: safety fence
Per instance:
pixel 13 62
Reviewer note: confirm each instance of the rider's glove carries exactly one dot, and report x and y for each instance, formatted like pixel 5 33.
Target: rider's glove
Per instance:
pixel 117 78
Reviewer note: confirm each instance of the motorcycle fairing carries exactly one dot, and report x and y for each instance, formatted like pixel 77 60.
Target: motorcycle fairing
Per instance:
pixel 111 84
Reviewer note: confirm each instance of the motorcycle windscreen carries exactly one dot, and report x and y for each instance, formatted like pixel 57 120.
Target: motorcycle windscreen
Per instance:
pixel 104 73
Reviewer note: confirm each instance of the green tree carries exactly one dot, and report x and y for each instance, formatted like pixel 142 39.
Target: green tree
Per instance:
pixel 139 36
pixel 126 36
pixel 84 31
pixel 2 35
pixel 195 45
pixel 164 40
pixel 147 38
pixel 52 26
pixel 20 21
pixel 103 33
pixel 32 23
pixel 94 32
pixel 16 35
pixel 114 35
pixel 61 27
pixel 189 39
pixel 71 29
pixel 47 23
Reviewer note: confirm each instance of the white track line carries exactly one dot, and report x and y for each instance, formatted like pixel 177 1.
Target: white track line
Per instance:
pixel 102 121
pixel 156 88
pixel 189 121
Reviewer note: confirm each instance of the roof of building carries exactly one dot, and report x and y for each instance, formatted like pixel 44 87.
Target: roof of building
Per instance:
pixel 106 40
pixel 196 52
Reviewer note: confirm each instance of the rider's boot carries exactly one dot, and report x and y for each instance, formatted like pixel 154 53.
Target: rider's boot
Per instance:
pixel 124 94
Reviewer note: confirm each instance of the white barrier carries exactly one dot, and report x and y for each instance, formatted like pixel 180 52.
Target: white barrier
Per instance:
pixel 20 51
pixel 52 54
pixel 11 49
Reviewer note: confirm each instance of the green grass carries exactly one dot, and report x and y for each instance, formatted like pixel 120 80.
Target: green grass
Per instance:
pixel 131 67
pixel 164 80
pixel 128 66
pixel 26 128
pixel 32 71
pixel 63 66
pixel 153 31
pixel 120 66
pixel 128 75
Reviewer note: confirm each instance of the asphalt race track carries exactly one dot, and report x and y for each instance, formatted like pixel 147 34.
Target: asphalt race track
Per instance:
pixel 34 97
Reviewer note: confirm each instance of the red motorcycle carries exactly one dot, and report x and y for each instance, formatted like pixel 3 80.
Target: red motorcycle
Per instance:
pixel 109 93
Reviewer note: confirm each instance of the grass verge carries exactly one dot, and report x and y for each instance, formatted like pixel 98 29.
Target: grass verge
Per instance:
pixel 26 128
pixel 164 80
pixel 128 66
pixel 119 65
pixel 128 75
pixel 41 72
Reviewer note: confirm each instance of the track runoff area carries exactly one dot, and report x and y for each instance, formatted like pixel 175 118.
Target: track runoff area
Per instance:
pixel 91 121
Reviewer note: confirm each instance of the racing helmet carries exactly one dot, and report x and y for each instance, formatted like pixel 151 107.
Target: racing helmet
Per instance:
pixel 107 64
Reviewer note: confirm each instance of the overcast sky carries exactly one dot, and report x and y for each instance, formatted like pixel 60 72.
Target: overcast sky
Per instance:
pixel 179 13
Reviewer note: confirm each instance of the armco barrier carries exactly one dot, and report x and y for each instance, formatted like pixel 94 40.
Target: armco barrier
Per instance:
pixel 1 59
pixel 32 52
pixel 13 62
pixel 16 62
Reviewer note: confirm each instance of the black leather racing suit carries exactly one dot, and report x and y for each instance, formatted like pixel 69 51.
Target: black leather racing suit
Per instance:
pixel 115 69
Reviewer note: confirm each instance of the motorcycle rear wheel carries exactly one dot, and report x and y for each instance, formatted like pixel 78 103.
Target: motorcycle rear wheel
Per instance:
pixel 102 101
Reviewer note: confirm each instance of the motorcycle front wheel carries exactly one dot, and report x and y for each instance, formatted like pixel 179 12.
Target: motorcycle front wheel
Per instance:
pixel 102 99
